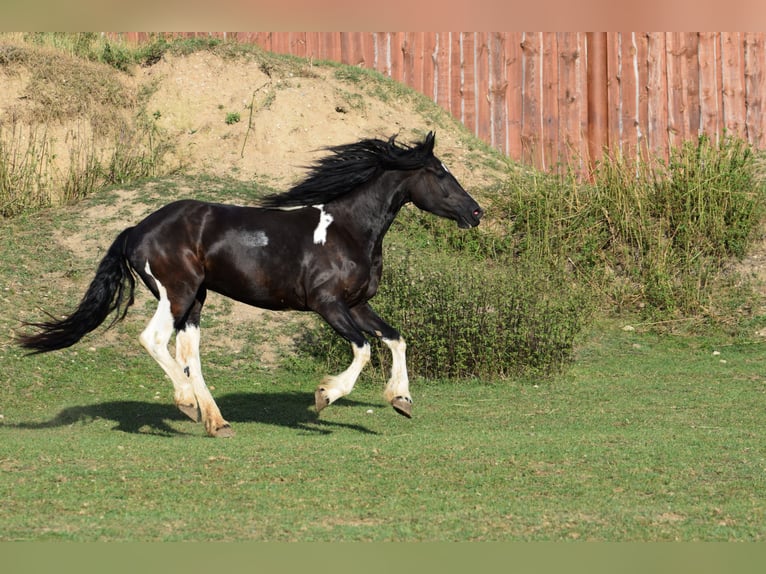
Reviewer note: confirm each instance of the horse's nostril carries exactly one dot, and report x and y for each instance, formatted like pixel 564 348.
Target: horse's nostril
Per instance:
pixel 478 212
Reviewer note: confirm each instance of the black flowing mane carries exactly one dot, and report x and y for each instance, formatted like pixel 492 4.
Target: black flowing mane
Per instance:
pixel 349 166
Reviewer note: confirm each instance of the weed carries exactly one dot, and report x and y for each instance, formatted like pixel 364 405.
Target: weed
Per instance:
pixel 24 166
pixel 651 237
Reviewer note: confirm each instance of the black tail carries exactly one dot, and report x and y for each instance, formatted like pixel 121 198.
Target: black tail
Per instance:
pixel 111 290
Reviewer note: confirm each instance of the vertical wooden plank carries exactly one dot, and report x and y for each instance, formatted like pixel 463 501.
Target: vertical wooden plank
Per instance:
pixel 468 66
pixel 442 69
pixel 657 108
pixel 417 39
pixel 514 73
pixel 298 45
pixel 313 41
pixel 382 53
pixel 292 43
pixel 711 121
pixel 755 85
pixel 368 50
pixel 408 58
pixel 570 102
pixel 412 54
pixel 360 53
pixel 550 101
pixel 675 87
pixel 691 73
pixel 498 89
pixel 614 104
pixel 266 40
pixel 456 77
pixel 629 84
pixel 279 42
pixel 598 105
pixel 732 57
pixel 531 126
pixel 396 56
pixel 483 112
pixel 375 50
pixel 641 40
pixel 428 64
pixel 348 47
pixel 330 49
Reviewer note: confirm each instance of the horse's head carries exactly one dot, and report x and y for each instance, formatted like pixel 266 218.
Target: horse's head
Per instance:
pixel 435 189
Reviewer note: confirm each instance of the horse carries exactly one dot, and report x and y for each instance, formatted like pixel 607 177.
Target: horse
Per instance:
pixel 316 247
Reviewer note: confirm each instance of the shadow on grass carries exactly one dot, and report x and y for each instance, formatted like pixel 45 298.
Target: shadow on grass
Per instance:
pixel 287 409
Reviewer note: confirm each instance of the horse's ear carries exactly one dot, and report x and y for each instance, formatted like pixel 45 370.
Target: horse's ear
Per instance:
pixel 429 142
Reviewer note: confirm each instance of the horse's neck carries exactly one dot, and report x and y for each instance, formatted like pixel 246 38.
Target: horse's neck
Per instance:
pixel 372 210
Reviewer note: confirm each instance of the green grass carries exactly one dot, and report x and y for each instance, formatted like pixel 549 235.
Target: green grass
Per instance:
pixel 648 438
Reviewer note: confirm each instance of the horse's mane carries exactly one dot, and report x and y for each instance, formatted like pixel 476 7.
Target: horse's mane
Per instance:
pixel 348 166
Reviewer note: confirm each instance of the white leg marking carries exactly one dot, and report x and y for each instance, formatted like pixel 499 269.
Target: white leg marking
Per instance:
pixel 155 339
pixel 399 384
pixel 325 219
pixel 187 356
pixel 184 371
pixel 342 384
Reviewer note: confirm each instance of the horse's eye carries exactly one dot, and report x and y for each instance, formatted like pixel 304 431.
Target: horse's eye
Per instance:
pixel 439 171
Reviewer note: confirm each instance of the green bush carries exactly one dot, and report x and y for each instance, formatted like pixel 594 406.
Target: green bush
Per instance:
pixel 652 237
pixel 463 318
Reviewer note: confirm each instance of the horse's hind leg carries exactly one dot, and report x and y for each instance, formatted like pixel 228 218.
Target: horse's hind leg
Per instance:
pixel 187 356
pixel 155 339
pixel 191 392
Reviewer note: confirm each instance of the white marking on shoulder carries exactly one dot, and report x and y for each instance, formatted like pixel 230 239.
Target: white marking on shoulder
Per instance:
pixel 444 167
pixel 325 219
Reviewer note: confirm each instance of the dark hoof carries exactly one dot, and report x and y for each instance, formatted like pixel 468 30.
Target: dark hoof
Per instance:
pixel 190 411
pixel 224 432
pixel 403 406
pixel 320 400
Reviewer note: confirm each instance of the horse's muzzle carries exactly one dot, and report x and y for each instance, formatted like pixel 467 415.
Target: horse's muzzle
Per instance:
pixel 471 220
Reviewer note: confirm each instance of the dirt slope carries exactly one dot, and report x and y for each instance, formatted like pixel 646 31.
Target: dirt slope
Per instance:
pixel 293 116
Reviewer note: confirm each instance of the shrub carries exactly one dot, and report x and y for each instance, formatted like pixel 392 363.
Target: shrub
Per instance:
pixel 653 237
pixel 461 318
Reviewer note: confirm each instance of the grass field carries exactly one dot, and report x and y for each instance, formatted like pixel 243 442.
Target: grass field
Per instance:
pixel 646 438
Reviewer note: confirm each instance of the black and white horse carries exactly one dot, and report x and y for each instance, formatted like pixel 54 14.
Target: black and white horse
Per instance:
pixel 317 247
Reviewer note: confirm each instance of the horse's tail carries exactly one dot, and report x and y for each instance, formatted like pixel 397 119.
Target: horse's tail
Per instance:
pixel 110 290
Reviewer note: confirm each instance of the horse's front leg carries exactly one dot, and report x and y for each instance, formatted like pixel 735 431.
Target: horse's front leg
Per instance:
pixel 397 390
pixel 334 387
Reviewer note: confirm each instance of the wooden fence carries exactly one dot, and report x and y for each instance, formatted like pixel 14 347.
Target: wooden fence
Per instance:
pixel 551 99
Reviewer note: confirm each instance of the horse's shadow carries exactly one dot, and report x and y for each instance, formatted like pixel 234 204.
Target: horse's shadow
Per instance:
pixel 287 409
